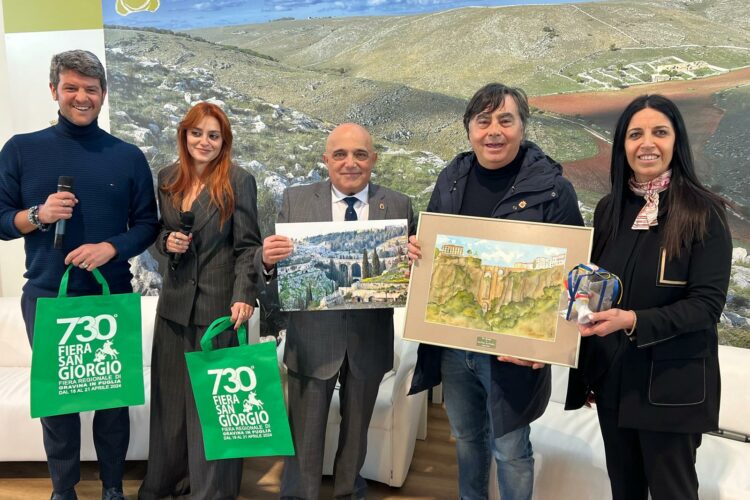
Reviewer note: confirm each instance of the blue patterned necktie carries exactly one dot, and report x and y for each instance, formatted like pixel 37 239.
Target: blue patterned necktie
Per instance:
pixel 350 213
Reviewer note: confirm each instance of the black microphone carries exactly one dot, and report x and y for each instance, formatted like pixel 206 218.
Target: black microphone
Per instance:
pixel 64 185
pixel 186 225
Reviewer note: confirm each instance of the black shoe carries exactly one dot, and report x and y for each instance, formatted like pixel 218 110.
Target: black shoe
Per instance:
pixel 113 493
pixel 65 495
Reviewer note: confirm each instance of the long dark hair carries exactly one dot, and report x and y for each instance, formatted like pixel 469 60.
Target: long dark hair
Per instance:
pixel 689 203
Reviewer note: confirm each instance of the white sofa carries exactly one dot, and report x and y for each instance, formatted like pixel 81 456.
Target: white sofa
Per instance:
pixel 397 422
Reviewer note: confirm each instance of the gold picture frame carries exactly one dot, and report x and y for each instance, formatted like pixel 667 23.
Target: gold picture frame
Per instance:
pixel 496 286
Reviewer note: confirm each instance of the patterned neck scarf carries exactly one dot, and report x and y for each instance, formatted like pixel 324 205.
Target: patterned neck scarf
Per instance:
pixel 650 190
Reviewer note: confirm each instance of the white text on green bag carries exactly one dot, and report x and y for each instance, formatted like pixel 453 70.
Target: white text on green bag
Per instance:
pixel 235 377
pixel 91 325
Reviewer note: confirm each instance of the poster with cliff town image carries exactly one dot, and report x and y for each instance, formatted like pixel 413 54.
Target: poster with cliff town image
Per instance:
pixel 495 286
pixel 344 265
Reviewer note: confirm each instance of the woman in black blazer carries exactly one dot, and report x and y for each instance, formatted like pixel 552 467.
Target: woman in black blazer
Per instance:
pixel 652 364
pixel 210 274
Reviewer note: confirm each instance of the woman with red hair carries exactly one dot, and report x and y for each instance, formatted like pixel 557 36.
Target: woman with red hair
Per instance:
pixel 210 235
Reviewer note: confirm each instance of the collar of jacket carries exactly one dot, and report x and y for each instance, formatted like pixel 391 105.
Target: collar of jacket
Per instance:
pixel 536 178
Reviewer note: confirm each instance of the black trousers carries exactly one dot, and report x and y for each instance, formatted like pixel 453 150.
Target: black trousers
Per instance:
pixel 62 435
pixel 640 461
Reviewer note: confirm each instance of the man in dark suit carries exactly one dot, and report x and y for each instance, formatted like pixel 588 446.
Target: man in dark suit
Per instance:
pixel 354 347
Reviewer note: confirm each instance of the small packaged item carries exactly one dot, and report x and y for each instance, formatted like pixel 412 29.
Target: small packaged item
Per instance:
pixel 591 289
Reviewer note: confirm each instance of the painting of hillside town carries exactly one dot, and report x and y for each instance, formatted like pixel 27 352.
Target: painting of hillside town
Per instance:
pixel 496 286
pixel 344 265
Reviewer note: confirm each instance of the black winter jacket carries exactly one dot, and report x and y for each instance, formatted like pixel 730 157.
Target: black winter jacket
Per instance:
pixel 540 193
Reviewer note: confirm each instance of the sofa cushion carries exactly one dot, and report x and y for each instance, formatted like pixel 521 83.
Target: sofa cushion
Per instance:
pixel 734 364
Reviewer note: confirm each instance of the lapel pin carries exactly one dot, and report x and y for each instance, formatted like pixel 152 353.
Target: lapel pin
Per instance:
pixel 522 204
pixel 382 206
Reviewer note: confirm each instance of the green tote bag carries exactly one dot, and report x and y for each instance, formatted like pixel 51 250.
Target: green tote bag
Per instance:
pixel 239 397
pixel 87 352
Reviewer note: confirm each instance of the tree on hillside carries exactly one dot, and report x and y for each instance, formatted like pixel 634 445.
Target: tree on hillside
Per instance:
pixel 376 270
pixel 308 296
pixel 365 265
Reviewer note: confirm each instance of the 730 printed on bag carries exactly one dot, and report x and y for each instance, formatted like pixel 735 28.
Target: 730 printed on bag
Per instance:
pixel 86 354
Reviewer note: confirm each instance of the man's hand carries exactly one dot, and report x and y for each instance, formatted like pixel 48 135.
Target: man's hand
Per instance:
pixel 58 206
pixel 414 252
pixel 91 256
pixel 241 312
pixel 534 365
pixel 275 249
pixel 605 322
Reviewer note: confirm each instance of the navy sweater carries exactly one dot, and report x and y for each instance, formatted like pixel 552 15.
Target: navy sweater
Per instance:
pixel 114 187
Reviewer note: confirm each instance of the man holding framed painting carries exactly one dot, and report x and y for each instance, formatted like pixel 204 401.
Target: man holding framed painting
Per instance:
pixel 491 401
pixel 353 347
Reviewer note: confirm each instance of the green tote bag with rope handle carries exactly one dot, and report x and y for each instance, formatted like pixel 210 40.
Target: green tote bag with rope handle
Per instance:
pixel 87 352
pixel 239 397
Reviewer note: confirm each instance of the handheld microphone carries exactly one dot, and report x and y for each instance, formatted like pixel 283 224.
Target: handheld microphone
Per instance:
pixel 186 225
pixel 64 185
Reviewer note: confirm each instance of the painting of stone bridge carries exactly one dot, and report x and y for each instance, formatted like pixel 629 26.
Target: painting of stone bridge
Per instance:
pixel 344 265
pixel 496 286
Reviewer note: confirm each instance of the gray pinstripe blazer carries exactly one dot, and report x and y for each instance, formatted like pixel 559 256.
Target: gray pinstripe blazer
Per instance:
pixel 317 341
pixel 217 270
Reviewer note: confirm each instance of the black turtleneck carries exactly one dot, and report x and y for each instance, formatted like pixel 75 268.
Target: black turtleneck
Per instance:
pixel 485 188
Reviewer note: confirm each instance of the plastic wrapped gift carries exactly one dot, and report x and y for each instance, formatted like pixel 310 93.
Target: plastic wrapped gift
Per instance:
pixel 591 289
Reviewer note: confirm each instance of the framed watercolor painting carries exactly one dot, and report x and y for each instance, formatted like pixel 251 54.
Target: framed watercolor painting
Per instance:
pixel 496 286
pixel 344 265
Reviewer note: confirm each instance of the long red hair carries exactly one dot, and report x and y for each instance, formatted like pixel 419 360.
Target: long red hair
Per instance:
pixel 216 174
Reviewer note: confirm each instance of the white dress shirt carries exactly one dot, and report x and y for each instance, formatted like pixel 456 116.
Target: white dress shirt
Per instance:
pixel 339 206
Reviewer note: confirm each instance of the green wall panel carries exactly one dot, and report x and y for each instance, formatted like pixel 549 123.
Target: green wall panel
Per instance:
pixel 23 16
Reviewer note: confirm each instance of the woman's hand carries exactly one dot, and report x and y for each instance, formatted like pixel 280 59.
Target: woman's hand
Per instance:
pixel 241 312
pixel 178 242
pixel 605 322
pixel 534 365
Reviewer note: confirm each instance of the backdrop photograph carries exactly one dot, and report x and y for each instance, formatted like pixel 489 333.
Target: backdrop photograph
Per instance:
pixel 287 71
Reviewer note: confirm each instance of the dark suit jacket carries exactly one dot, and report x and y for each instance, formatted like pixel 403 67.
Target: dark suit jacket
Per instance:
pixel 217 270
pixel 317 342
pixel 667 379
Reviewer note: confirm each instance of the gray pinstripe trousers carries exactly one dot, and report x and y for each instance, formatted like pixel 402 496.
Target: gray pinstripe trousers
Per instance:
pixel 177 462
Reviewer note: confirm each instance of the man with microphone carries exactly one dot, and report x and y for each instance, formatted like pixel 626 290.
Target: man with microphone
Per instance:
pixel 98 192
